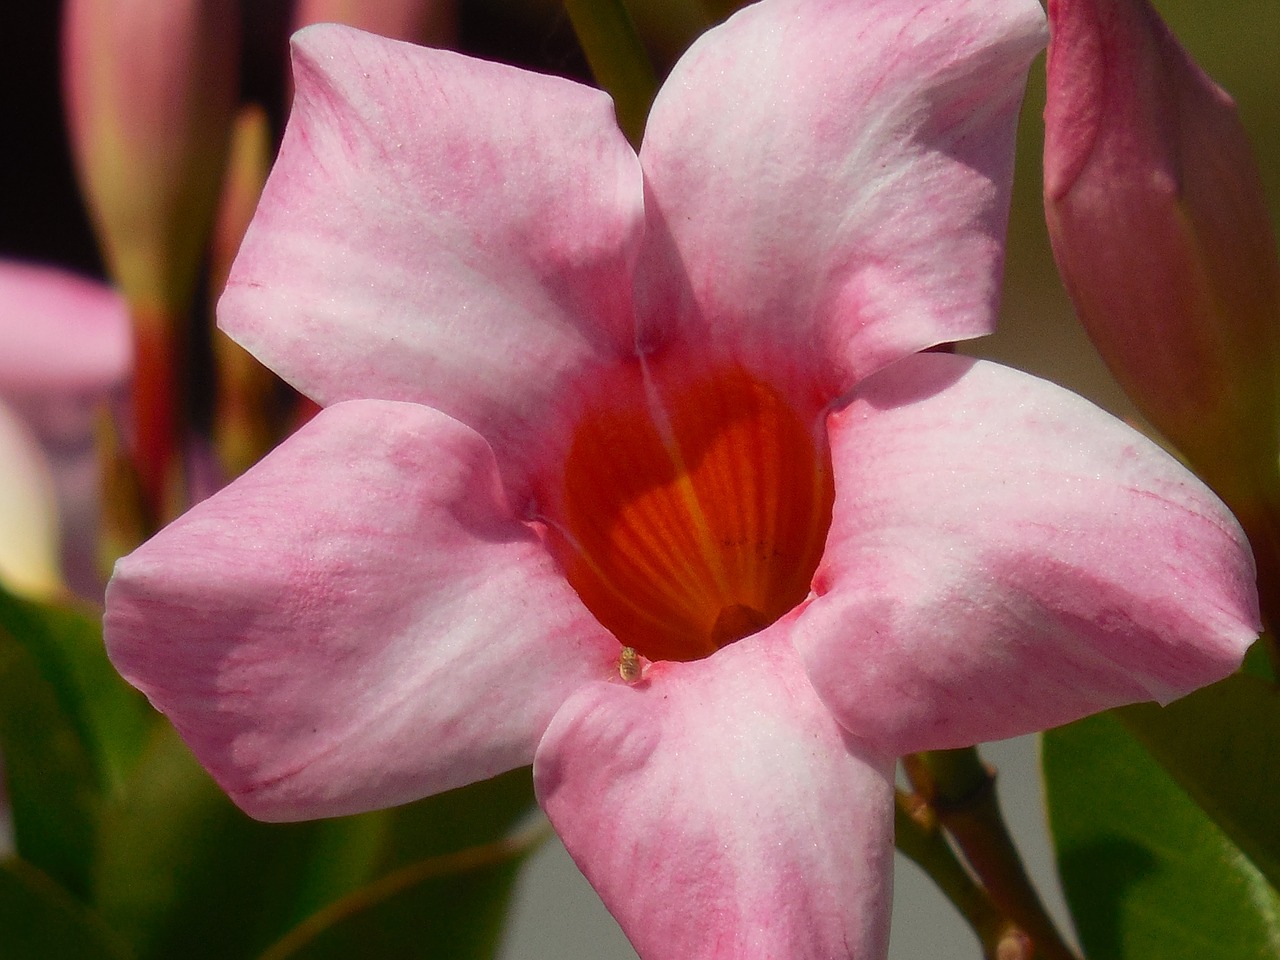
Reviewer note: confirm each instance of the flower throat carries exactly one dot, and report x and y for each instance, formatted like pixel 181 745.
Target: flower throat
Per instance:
pixel 693 516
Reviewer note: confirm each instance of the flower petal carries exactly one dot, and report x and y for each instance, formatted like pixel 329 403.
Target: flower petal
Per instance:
pixel 833 178
pixel 720 812
pixel 356 622
pixel 439 229
pixel 63 334
pixel 1005 557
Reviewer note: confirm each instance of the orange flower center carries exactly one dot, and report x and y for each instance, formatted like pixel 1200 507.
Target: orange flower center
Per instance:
pixel 690 517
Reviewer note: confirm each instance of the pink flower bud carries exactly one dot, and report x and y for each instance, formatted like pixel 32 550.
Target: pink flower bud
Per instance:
pixel 150 87
pixel 1160 229
pixel 429 22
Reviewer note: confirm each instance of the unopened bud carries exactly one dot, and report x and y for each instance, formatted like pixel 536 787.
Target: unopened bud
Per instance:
pixel 1160 228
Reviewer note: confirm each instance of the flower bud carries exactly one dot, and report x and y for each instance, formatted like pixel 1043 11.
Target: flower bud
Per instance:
pixel 1160 229
pixel 150 86
pixel 428 22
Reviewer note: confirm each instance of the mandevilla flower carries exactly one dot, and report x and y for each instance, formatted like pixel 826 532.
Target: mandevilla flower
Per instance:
pixel 580 403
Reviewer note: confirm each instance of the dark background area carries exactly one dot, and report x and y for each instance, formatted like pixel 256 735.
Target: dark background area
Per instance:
pixel 41 215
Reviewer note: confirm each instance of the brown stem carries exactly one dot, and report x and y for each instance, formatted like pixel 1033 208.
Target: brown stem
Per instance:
pixel 157 413
pixel 917 836
pixel 961 790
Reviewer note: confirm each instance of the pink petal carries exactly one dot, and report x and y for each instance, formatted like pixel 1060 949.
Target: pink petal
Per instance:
pixel 60 333
pixel 356 622
pixel 1005 557
pixel 720 812
pixel 439 229
pixel 834 177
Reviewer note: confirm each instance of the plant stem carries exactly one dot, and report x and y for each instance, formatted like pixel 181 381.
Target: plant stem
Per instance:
pixel 156 404
pixel 961 790
pixel 917 836
pixel 617 58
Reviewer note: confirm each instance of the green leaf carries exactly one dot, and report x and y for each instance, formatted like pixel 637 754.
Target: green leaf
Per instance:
pixel 52 781
pixel 43 922
pixel 467 817
pixel 1145 871
pixel 450 906
pixel 442 881
pixel 618 59
pixel 1257 661
pixel 183 873
pixel 111 718
pixel 1222 746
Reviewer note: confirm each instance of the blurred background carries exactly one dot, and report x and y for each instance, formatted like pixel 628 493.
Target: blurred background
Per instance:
pixel 557 916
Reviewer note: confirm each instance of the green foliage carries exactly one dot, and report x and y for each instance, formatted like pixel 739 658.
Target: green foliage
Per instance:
pixel 1222 746
pixel 109 717
pixel 54 791
pixel 179 861
pixel 127 849
pixel 465 898
pixel 69 730
pixel 1146 871
pixel 182 873
pixel 42 920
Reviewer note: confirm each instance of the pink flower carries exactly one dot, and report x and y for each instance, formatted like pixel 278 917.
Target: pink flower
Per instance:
pixel 580 402
pixel 65 337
